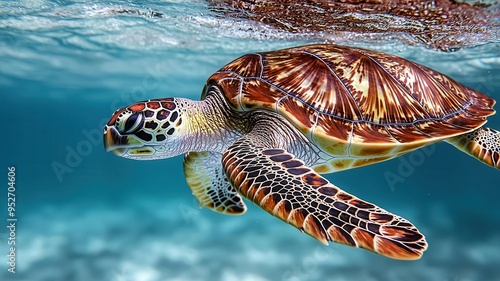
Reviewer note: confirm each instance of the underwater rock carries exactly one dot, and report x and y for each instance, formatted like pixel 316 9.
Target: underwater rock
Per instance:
pixel 444 25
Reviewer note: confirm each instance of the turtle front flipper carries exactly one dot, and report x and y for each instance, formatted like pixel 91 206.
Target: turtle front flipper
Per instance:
pixel 483 144
pixel 205 177
pixel 283 186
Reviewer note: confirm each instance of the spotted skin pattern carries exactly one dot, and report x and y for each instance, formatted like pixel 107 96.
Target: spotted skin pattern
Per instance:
pixel 283 186
pixel 148 121
pixel 205 177
pixel 483 144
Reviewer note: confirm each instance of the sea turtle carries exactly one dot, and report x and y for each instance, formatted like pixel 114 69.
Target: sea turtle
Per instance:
pixel 268 124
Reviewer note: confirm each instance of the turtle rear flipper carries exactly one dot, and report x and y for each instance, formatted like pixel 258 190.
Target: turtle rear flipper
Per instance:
pixel 482 144
pixel 283 186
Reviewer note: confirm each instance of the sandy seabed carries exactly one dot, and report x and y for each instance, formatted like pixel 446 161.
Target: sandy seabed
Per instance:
pixel 175 240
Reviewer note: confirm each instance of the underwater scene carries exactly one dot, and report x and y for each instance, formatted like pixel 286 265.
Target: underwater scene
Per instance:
pixel 70 211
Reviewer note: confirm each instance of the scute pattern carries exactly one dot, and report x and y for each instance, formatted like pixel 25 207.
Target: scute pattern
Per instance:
pixel 246 66
pixel 296 115
pixel 306 76
pixel 354 97
pixel 430 88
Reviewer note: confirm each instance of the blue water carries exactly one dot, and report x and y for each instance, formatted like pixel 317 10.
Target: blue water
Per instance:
pixel 84 214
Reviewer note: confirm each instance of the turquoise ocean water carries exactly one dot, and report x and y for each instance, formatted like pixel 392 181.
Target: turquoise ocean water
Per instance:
pixel 83 214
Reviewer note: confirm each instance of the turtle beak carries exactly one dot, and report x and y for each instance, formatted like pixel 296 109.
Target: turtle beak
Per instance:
pixel 118 144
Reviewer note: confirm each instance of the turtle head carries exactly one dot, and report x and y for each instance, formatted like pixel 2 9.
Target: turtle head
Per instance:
pixel 145 130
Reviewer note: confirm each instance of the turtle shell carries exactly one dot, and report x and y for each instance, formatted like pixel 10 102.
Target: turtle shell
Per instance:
pixel 354 102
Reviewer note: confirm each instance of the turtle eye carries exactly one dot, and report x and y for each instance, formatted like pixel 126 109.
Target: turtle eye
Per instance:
pixel 129 122
pixel 135 121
